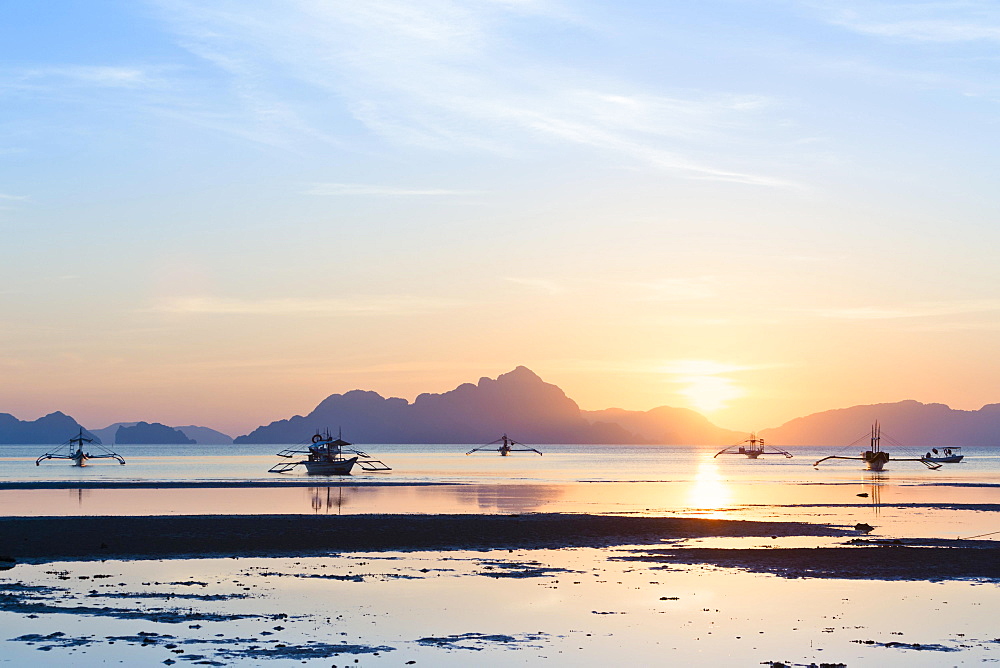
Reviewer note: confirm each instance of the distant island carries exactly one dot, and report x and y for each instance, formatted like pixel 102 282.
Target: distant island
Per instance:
pixel 187 434
pixel 525 406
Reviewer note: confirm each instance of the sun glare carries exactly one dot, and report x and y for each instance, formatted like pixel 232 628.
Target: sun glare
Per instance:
pixel 705 384
pixel 709 491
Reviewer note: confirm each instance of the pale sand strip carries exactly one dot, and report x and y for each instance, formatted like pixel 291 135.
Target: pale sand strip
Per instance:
pixel 41 539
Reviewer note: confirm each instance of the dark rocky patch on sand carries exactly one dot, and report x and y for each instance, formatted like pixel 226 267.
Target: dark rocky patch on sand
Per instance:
pixel 479 641
pixel 875 560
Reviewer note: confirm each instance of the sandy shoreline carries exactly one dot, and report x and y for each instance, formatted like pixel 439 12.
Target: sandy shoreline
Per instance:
pixel 87 538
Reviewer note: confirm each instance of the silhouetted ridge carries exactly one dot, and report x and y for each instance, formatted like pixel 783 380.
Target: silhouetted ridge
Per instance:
pixel 518 402
pixel 910 422
pixel 151 434
pixel 54 428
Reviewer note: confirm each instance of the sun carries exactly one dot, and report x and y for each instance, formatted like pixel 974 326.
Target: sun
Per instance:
pixel 708 394
pixel 705 383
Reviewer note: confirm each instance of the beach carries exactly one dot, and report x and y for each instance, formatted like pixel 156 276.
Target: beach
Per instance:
pixel 502 566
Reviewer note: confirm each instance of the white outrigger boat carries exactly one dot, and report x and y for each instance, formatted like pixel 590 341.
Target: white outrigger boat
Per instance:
pixel 753 448
pixel 73 451
pixel 945 456
pixel 875 457
pixel 328 456
pixel 506 445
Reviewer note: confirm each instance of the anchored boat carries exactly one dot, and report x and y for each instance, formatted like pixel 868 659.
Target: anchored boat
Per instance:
pixel 73 451
pixel 506 445
pixel 945 456
pixel 875 457
pixel 328 456
pixel 753 448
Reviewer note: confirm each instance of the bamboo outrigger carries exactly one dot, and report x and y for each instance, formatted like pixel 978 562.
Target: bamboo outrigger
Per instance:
pixel 328 456
pixel 753 448
pixel 73 450
pixel 507 445
pixel 875 457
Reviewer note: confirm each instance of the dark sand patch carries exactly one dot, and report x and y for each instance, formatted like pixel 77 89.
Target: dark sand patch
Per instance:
pixel 480 641
pixel 873 560
pixel 42 539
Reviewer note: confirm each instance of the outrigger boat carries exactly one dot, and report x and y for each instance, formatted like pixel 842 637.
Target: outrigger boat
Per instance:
pixel 73 450
pixel 507 445
pixel 875 457
pixel 753 448
pixel 328 456
pixel 946 456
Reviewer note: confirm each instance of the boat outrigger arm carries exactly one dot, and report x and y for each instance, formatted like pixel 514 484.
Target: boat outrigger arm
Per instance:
pixel 875 457
pixel 929 464
pixel 73 449
pixel 753 448
pixel 506 445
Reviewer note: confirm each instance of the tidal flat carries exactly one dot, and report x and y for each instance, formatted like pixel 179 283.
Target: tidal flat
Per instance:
pixel 563 607
pixel 589 590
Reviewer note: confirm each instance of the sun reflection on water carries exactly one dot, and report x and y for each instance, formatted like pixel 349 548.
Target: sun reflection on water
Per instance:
pixel 710 490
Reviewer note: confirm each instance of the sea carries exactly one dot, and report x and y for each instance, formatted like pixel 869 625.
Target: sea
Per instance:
pixel 905 500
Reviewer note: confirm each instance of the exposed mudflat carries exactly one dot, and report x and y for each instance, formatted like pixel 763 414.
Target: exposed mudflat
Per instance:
pixel 50 538
pixel 861 559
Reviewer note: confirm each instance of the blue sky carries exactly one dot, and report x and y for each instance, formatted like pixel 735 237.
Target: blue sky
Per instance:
pixel 220 212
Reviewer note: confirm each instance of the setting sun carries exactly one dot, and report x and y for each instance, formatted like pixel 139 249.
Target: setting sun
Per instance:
pixel 706 384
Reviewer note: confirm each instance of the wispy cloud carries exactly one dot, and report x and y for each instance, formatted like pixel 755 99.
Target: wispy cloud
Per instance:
pixel 13 198
pixel 89 76
pixel 542 284
pixel 328 189
pixel 924 310
pixel 292 306
pixel 452 76
pixel 914 20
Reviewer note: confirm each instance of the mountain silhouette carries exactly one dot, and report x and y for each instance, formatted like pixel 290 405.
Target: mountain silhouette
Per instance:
pixel 527 408
pixel 151 433
pixel 909 422
pixel 199 435
pixel 668 426
pixel 53 428
pixel 519 403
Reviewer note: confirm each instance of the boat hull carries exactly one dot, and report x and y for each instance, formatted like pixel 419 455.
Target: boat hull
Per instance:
pixel 954 459
pixel 874 461
pixel 331 467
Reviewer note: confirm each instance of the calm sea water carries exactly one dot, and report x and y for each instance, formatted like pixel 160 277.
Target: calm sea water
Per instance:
pixel 448 463
pixel 907 499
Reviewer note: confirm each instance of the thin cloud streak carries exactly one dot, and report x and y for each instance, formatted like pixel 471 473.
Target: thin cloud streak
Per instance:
pixel 333 189
pixel 374 306
pixel 914 311
pixel 941 22
pixel 544 285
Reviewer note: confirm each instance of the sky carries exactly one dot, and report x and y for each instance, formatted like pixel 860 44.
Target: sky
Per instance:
pixel 218 212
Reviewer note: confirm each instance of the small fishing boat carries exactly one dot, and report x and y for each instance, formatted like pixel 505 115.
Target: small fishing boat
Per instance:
pixel 875 457
pixel 328 456
pixel 945 456
pixel 753 448
pixel 73 451
pixel 505 446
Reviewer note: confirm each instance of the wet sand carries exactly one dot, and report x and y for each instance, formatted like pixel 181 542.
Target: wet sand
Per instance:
pixel 39 539
pixel 43 539
pixel 861 560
